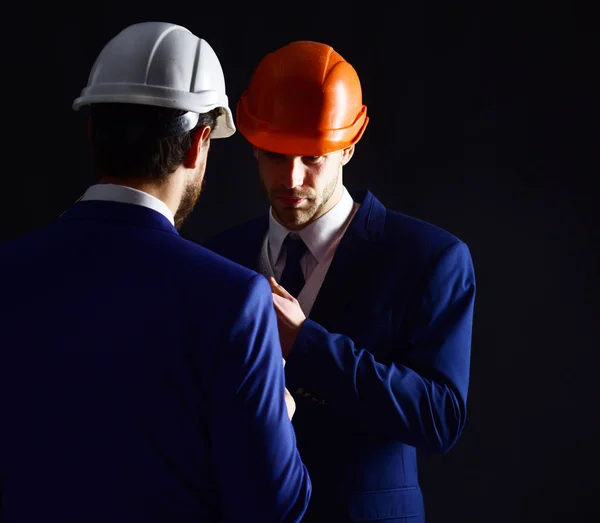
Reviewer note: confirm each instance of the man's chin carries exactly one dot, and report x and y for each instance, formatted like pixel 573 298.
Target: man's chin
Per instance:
pixel 293 219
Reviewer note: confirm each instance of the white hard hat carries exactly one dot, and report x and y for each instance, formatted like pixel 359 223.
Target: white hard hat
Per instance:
pixel 160 64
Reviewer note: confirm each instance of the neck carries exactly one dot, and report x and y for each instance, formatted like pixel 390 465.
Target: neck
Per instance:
pixel 169 190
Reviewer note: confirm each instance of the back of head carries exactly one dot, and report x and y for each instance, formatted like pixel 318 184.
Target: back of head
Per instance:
pixel 151 85
pixel 303 99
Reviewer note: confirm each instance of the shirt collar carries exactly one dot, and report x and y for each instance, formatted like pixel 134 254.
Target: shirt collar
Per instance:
pixel 120 193
pixel 317 235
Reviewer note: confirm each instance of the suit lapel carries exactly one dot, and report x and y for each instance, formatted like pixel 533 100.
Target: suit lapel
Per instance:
pixel 347 280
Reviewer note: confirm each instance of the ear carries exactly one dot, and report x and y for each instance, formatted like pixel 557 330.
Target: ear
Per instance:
pixel 347 154
pixel 199 139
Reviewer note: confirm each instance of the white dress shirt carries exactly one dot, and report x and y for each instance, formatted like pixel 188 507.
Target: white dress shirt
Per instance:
pixel 120 193
pixel 321 238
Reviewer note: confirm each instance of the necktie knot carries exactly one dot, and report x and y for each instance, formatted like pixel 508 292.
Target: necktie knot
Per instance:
pixel 294 247
pixel 292 278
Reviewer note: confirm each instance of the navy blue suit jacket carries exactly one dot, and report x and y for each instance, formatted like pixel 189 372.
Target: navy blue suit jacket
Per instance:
pixel 381 366
pixel 141 379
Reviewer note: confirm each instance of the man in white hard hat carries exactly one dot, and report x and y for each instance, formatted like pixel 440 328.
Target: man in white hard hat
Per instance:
pixel 141 375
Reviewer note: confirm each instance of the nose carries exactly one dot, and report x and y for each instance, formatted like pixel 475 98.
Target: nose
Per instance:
pixel 293 173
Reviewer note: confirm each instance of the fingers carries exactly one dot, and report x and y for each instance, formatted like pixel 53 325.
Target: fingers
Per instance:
pixel 290 404
pixel 275 287
pixel 278 302
pixel 278 289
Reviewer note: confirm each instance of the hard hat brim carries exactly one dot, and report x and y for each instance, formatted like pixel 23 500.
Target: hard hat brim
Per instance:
pixel 202 102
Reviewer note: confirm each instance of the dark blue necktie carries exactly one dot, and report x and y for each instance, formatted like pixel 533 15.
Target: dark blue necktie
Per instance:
pixel 292 279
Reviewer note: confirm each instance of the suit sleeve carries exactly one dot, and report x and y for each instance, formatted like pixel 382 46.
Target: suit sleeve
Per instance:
pixel 420 398
pixel 259 470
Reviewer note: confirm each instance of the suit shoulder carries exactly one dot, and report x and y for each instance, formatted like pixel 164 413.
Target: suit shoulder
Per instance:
pixel 400 226
pixel 421 241
pixel 216 282
pixel 199 257
pixel 15 250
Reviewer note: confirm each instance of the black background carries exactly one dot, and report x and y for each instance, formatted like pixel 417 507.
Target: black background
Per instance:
pixel 481 122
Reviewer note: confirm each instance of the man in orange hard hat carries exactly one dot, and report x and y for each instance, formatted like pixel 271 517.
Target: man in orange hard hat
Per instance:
pixel 374 307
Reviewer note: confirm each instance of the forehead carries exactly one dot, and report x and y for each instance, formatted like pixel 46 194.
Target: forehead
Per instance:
pixel 291 157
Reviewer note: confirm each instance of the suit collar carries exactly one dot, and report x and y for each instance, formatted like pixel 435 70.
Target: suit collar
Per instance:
pixel 121 193
pixel 369 221
pixel 118 212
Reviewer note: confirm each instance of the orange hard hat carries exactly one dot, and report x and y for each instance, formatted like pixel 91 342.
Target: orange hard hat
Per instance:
pixel 304 99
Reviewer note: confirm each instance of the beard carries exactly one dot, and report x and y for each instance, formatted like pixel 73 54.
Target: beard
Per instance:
pixel 190 197
pixel 297 218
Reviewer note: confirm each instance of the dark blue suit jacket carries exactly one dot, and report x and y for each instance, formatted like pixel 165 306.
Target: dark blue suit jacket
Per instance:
pixel 381 366
pixel 141 379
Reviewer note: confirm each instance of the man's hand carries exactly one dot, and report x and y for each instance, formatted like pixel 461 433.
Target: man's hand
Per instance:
pixel 290 404
pixel 289 316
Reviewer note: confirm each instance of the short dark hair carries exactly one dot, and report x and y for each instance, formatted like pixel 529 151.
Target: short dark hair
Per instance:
pixel 127 157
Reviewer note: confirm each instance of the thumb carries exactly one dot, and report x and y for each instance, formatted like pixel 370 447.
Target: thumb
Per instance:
pixel 278 289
